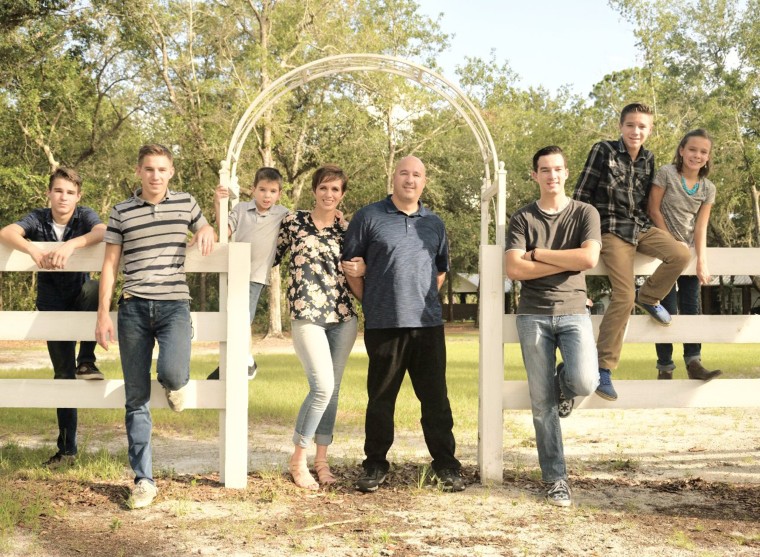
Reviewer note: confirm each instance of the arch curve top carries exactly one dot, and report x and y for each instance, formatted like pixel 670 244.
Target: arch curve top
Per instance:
pixel 348 63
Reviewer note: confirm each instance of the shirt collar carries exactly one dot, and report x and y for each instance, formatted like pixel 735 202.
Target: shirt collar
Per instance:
pixel 622 149
pixel 421 211
pixel 141 201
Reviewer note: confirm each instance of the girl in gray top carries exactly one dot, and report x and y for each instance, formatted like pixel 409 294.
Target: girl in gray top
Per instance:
pixel 679 202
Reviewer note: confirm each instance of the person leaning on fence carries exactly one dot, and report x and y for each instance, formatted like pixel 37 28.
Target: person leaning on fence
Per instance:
pixel 405 248
pixel 323 320
pixel 616 180
pixel 549 244
pixel 148 232
pixel 680 203
pixel 258 223
pixel 72 227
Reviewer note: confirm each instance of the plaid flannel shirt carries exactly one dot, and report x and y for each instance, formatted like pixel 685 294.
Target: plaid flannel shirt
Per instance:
pixel 618 187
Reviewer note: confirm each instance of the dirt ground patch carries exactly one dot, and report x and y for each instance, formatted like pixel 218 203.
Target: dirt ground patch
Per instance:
pixel 645 483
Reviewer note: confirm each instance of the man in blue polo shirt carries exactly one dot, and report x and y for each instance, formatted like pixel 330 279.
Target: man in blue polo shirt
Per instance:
pixel 405 248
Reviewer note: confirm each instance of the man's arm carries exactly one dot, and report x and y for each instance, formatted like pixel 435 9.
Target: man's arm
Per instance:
pixel 58 257
pixel 439 280
pixel 588 179
pixel 104 331
pixel 520 265
pixel 356 284
pixel 14 237
pixel 205 238
pixel 654 203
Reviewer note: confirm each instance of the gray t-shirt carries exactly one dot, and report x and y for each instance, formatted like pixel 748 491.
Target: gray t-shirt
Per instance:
pixel 260 230
pixel 529 228
pixel 679 209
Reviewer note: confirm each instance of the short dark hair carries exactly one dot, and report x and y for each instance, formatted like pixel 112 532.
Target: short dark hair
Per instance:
pixel 633 108
pixel 154 149
pixel 65 173
pixel 549 150
pixel 678 159
pixel 328 173
pixel 267 173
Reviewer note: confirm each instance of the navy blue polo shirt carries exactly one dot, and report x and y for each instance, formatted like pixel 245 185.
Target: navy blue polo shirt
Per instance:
pixel 404 255
pixel 56 289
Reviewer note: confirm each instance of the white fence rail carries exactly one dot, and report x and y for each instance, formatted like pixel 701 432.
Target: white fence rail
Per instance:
pixel 229 326
pixel 498 328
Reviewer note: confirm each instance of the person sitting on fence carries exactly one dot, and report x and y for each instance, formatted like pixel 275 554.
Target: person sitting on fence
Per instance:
pixel 257 222
pixel 616 180
pixel 679 203
pixel 72 227
pixel 549 244
pixel 148 231
pixel 323 320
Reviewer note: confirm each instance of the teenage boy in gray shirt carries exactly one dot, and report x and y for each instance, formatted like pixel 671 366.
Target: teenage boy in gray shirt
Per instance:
pixel 548 246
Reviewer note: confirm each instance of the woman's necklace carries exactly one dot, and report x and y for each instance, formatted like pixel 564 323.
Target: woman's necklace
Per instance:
pixel 689 190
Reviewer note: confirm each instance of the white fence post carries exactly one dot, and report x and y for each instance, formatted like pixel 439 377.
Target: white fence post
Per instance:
pixel 233 433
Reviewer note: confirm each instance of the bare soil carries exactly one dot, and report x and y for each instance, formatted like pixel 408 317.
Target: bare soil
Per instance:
pixel 645 483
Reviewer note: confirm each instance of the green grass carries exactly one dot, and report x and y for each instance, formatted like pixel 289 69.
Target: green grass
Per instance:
pixel 280 387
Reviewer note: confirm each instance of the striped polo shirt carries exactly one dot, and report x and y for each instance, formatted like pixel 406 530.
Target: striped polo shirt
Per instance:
pixel 404 254
pixel 153 240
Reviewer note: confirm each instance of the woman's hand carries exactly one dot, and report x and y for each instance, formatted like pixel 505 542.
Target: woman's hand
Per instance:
pixel 354 267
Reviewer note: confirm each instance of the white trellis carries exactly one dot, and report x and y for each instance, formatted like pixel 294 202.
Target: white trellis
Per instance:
pixel 490 433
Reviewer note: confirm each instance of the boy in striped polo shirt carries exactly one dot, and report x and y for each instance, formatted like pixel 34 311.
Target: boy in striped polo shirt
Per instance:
pixel 148 231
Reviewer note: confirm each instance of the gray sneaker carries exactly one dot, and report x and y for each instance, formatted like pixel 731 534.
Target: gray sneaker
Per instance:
pixel 176 399
pixel 559 494
pixel 142 494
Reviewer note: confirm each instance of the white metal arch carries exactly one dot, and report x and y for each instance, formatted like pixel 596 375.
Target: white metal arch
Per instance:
pixel 491 277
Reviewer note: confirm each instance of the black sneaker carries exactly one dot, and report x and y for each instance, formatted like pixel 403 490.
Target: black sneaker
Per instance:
pixel 59 459
pixel 88 370
pixel 564 406
pixel 252 371
pixel 449 480
pixel 371 479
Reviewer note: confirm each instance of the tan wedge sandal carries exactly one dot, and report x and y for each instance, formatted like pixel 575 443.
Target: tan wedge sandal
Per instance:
pixel 323 472
pixel 301 476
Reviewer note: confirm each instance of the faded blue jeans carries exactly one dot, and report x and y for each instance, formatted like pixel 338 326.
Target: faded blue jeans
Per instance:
pixel 323 349
pixel 684 301
pixel 141 323
pixel 540 336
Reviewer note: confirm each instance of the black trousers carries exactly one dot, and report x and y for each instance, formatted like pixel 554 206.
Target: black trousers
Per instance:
pixel 422 352
pixel 65 361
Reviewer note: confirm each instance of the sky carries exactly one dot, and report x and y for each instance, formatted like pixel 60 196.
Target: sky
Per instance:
pixel 546 42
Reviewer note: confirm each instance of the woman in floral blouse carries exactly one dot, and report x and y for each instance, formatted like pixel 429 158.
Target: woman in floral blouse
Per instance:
pixel 324 322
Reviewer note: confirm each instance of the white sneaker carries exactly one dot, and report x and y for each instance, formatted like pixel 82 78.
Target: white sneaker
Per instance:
pixel 176 399
pixel 142 494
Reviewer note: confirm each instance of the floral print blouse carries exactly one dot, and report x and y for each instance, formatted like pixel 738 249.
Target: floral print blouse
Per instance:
pixel 317 288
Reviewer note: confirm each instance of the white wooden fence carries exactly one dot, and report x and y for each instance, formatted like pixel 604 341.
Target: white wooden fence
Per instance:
pixel 498 328
pixel 229 326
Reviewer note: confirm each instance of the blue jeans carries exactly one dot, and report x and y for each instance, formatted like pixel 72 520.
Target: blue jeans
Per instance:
pixel 323 349
pixel 540 336
pixel 254 291
pixel 65 360
pixel 141 323
pixel 684 301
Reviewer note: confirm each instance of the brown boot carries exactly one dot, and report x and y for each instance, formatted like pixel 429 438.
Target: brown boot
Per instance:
pixel 697 371
pixel 662 374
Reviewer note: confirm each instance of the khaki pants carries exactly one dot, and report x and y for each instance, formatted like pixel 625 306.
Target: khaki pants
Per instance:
pixel 617 255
